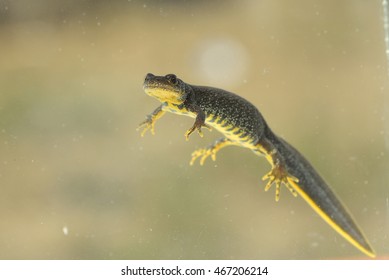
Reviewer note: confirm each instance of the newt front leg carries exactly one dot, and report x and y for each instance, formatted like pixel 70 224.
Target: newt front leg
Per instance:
pixel 199 122
pixel 149 122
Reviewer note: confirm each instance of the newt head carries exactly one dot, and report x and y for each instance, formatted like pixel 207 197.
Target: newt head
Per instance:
pixel 167 88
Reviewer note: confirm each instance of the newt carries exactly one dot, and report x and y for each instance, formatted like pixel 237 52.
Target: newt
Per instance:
pixel 243 125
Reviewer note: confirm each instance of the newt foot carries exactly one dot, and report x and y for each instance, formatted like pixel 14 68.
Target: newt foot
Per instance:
pixel 196 126
pixel 147 124
pixel 278 176
pixel 203 153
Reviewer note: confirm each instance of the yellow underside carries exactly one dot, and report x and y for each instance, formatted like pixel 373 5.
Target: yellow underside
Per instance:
pixel 246 143
pixel 328 219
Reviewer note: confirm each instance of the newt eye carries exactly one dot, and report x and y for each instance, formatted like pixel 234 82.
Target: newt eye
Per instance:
pixel 172 79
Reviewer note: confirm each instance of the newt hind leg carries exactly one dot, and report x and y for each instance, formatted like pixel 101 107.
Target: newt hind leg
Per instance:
pixel 211 150
pixel 278 175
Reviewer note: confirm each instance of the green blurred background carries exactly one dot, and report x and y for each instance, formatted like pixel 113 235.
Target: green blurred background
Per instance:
pixel 78 182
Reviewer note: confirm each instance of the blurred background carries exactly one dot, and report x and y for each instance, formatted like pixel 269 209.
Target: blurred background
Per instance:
pixel 78 182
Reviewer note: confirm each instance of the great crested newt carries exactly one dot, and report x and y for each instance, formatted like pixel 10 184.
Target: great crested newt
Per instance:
pixel 243 125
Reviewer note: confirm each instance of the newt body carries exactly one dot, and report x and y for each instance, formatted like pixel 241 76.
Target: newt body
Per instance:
pixel 243 125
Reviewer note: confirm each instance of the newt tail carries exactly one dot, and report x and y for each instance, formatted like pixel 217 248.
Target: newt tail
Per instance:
pixel 242 125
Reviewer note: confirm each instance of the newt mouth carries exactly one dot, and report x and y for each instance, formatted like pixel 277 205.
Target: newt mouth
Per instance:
pixel 164 88
pixel 163 92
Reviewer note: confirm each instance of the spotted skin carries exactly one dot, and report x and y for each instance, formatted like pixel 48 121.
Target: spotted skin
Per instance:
pixel 243 125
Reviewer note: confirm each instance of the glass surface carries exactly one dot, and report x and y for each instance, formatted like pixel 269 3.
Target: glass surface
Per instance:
pixel 78 182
